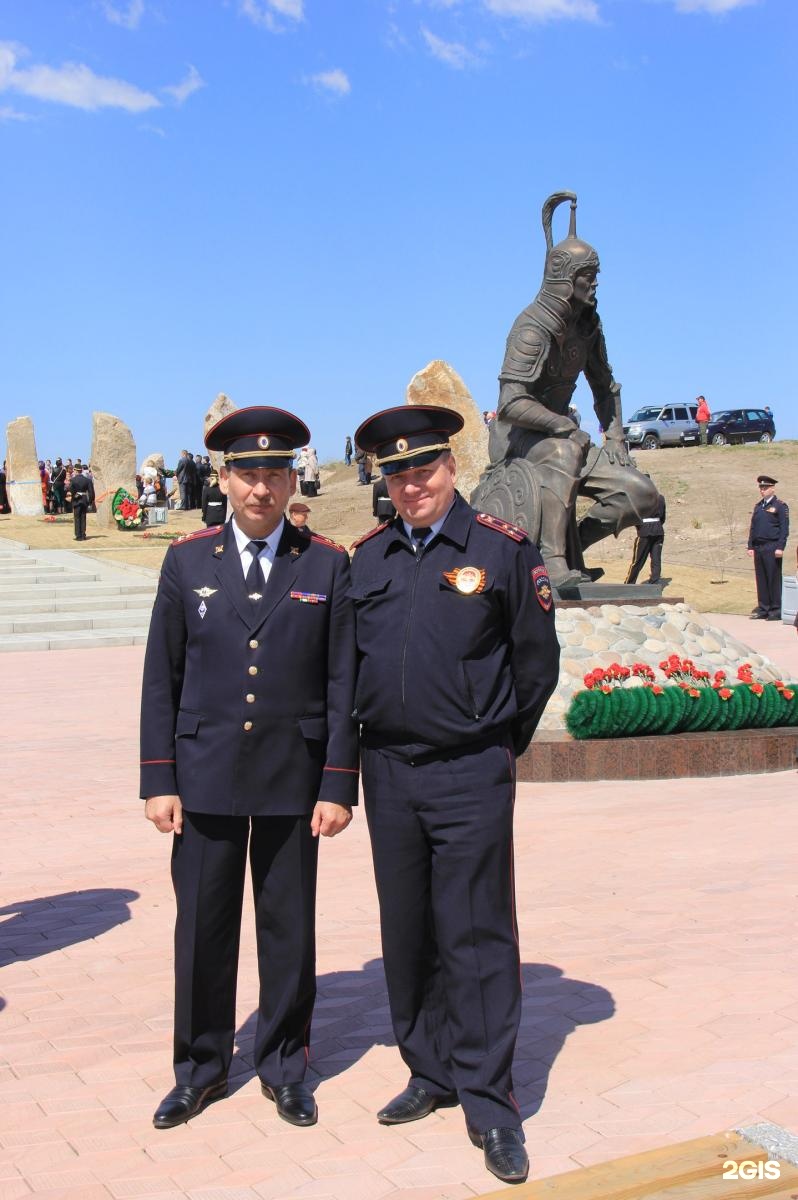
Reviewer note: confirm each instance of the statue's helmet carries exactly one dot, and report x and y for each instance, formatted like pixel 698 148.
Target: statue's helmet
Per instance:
pixel 571 256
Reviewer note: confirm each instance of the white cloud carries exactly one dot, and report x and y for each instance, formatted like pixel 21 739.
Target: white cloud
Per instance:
pixel 269 13
pixel 454 54
pixel 12 114
pixel 192 83
pixel 544 10
pixel 711 6
pixel 336 81
pixel 127 15
pixel 73 83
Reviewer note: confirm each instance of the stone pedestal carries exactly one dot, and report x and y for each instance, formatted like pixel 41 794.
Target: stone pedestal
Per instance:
pixel 113 462
pixel 22 469
pixel 440 384
pixel 221 407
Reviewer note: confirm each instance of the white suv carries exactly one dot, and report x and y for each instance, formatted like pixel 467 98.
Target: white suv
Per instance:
pixel 652 427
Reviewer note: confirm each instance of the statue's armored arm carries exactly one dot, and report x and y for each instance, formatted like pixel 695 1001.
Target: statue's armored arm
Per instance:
pixel 518 407
pixel 606 390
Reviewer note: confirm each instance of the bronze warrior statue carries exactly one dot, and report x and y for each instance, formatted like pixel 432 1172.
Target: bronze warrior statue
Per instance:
pixel 540 459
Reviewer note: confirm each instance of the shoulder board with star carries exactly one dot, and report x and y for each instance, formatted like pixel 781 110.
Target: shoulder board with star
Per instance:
pixel 211 531
pixel 324 541
pixel 370 534
pixel 501 526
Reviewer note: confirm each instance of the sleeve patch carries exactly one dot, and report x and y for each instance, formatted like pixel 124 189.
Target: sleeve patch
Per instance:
pixel 501 526
pixel 542 586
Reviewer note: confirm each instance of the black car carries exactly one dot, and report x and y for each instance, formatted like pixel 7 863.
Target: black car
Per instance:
pixel 733 426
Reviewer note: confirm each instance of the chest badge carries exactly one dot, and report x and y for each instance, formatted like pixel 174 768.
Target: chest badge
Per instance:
pixel 203 608
pixel 467 580
pixel 205 592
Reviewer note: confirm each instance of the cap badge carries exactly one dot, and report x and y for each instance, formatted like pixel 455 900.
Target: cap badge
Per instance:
pixel 401 445
pixel 263 442
pixel 467 580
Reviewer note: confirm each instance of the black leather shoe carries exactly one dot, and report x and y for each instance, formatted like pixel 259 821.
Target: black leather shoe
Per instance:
pixel 412 1104
pixel 183 1103
pixel 505 1156
pixel 774 616
pixel 758 615
pixel 294 1101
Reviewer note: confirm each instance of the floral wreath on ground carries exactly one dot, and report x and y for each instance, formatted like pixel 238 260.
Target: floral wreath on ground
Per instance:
pixel 127 511
pixel 690 701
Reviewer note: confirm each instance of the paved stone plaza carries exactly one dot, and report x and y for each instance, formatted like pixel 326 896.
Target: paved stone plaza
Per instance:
pixel 658 941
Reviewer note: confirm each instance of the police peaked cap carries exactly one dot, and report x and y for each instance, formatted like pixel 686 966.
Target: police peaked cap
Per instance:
pixel 766 480
pixel 258 437
pixel 410 435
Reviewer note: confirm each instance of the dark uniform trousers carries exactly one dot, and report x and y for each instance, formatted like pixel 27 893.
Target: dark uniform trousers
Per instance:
pixel 442 841
pixel 643 547
pixel 208 870
pixel 767 569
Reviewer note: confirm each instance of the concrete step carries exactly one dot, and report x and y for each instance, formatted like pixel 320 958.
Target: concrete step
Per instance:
pixel 34 575
pixel 33 564
pixel 47 623
pixel 34 603
pixel 75 640
pixel 68 589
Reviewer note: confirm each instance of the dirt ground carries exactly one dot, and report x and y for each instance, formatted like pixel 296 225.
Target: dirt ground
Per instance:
pixel 710 492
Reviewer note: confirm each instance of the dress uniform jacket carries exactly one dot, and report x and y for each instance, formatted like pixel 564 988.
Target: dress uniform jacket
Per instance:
pixel 439 667
pixel 770 525
pixel 249 712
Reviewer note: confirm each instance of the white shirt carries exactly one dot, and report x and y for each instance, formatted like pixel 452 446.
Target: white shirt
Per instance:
pixel 267 554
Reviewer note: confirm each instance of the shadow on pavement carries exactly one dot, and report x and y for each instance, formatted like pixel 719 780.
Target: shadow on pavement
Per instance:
pixel 47 923
pixel 352 1015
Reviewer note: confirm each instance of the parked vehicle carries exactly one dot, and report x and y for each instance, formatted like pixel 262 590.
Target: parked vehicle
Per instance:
pixel 655 426
pixel 736 425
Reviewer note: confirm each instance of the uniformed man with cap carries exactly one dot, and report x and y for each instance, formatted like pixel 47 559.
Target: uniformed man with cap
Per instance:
pixel 770 528
pixel 457 656
pixel 244 753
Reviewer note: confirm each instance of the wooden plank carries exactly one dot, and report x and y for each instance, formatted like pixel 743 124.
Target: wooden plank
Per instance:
pixel 687 1171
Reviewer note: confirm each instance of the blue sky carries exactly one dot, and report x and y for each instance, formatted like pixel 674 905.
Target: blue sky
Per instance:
pixel 303 202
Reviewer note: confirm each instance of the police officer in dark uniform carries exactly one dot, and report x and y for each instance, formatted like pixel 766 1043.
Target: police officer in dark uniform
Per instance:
pixel 81 495
pixel 458 655
pixel 248 745
pixel 649 541
pixel 770 528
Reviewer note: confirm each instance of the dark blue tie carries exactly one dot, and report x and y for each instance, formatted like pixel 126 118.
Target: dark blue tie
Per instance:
pixel 254 580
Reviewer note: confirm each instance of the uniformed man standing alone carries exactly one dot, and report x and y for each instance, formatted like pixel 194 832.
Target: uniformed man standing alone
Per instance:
pixel 770 528
pixel 81 497
pixel 248 743
pixel 457 657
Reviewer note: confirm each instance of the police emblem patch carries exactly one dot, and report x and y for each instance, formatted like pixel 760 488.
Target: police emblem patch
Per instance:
pixel 542 586
pixel 467 580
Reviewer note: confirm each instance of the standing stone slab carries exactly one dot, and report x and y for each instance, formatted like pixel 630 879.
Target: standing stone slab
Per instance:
pixel 153 462
pixel 221 407
pixel 113 462
pixel 22 469
pixel 439 383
